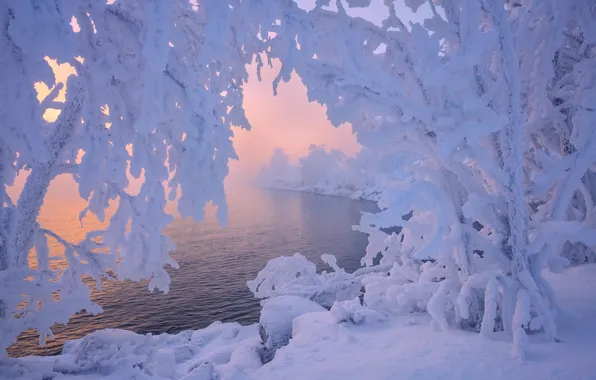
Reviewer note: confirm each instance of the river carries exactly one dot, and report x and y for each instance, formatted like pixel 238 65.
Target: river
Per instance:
pixel 215 263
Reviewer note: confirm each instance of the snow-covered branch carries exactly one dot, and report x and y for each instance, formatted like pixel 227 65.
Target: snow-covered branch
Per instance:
pixel 487 103
pixel 479 120
pixel 154 90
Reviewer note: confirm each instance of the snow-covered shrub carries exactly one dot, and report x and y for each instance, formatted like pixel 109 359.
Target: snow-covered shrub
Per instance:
pixel 323 172
pixel 296 276
pixel 321 169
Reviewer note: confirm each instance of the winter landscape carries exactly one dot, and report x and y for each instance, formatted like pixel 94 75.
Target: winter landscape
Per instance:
pixel 298 189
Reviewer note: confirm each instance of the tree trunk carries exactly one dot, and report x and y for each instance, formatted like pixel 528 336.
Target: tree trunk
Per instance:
pixel 36 186
pixel 22 221
pixel 511 140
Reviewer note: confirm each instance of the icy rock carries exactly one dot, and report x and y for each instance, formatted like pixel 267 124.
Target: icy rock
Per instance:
pixel 275 323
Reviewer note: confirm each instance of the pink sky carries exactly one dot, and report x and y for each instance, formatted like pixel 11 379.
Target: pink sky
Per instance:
pixel 286 121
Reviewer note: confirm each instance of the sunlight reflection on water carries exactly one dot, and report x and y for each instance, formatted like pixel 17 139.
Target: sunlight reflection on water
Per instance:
pixel 215 262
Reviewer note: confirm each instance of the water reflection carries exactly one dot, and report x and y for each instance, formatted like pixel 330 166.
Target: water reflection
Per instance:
pixel 215 262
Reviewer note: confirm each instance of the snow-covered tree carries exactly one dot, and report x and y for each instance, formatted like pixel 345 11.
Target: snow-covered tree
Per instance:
pixel 488 102
pixel 158 86
pixel 561 128
pixel 279 172
pixel 325 172
pixel 319 167
pixel 487 98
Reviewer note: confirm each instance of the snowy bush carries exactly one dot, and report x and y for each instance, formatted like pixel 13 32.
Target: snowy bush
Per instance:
pixel 320 168
pixel 296 276
pixel 323 172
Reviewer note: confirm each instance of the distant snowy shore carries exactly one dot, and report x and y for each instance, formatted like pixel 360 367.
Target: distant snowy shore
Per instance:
pixel 368 193
pixel 321 172
pixel 333 345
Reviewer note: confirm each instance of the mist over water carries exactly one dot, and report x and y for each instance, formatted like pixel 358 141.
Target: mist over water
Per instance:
pixel 215 262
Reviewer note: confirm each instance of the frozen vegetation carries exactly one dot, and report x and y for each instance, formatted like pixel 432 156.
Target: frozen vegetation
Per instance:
pixel 478 131
pixel 322 172
pixel 334 345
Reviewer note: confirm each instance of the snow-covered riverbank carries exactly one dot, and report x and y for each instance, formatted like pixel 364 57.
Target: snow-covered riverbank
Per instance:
pixel 320 172
pixel 368 193
pixel 324 346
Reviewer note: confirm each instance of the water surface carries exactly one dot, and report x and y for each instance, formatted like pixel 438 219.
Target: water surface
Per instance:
pixel 215 262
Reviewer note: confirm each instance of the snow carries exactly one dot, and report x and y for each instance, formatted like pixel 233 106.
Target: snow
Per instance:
pixel 369 193
pixel 228 349
pixel 296 276
pixel 327 345
pixel 145 117
pixel 322 172
pixel 409 349
pixel 477 137
pixel 276 319
pixel 467 107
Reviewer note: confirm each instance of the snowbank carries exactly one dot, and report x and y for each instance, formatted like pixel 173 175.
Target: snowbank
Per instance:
pixel 328 345
pixel 368 193
pixel 409 348
pixel 225 351
pixel 275 323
